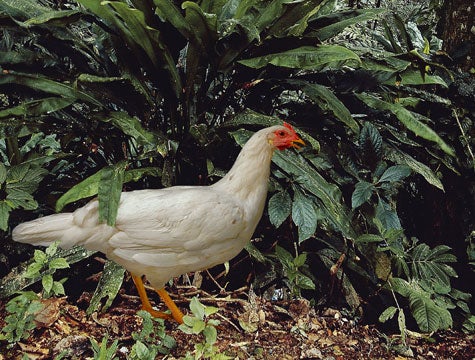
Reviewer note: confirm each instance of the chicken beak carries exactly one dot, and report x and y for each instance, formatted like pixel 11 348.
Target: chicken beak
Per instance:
pixel 298 143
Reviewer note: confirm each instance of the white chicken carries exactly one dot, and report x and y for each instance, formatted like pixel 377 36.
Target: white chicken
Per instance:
pixel 164 233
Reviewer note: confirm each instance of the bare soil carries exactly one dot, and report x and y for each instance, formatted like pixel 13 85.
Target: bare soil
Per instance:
pixel 274 330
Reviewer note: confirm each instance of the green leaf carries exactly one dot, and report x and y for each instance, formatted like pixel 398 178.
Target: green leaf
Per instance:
pixel 109 192
pixel 58 263
pixel 395 173
pixel 405 159
pixel 327 101
pixel 369 238
pixel 304 215
pixel 131 126
pixel 40 256
pixel 60 17
pixel 38 107
pixel 22 9
pixel 86 188
pixel 284 257
pixel 312 182
pixel 40 83
pixel 411 77
pixel 408 119
pixel 4 215
pixel 90 186
pixel 387 216
pixel 3 173
pixel 293 20
pixel 387 314
pixel 198 326
pixel 210 334
pixel 429 316
pixel 57 288
pixel 307 58
pixel 341 20
pixel 429 265
pixel 255 253
pixel 197 308
pixel 279 208
pixel 363 192
pixel 47 283
pixel 304 282
pixel 108 287
pixel 370 141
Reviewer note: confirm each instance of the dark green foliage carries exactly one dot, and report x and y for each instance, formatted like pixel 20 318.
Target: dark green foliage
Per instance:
pixel 143 94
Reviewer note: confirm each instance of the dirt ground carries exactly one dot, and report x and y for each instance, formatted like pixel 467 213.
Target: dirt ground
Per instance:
pixel 274 330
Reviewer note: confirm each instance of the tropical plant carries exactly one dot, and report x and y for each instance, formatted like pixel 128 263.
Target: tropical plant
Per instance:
pixel 142 94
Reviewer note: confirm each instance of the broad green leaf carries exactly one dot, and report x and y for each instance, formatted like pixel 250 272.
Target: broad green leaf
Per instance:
pixel 19 57
pixel 401 321
pixel 58 263
pixel 284 257
pixel 197 308
pixel 371 141
pixel 47 283
pixel 3 173
pixel 40 256
pixel 108 287
pixel 62 17
pixel 387 314
pixel 131 126
pixel 167 11
pixel 129 21
pixel 255 253
pixel 296 14
pixel 57 288
pixel 109 192
pixel 38 107
pixel 48 86
pixel 307 58
pixel 210 334
pixel 387 215
pixel 304 282
pixel 408 119
pixel 362 193
pixel 428 315
pixel 22 9
pixel 21 199
pixel 329 194
pixel 86 188
pixel 4 215
pixel 414 77
pixel 400 157
pixel 204 25
pixel 327 101
pixel 429 265
pixel 279 208
pixel 395 173
pixel 304 215
pixel 341 20
pixel 369 238
pixel 90 186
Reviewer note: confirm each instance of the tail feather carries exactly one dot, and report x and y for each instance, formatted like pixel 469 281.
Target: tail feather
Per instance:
pixel 45 231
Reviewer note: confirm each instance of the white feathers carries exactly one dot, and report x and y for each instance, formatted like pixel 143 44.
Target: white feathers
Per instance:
pixel 167 232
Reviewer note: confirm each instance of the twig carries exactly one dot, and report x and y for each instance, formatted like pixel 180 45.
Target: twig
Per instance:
pixel 221 289
pixel 229 321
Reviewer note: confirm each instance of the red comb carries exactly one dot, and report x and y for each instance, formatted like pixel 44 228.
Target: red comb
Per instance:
pixel 288 126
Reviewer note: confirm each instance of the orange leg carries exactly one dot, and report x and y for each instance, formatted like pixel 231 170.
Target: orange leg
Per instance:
pixel 147 306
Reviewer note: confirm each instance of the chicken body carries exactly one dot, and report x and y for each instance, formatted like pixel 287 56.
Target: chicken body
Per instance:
pixel 165 233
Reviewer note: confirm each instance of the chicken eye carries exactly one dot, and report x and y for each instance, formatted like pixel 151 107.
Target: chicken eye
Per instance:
pixel 282 133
